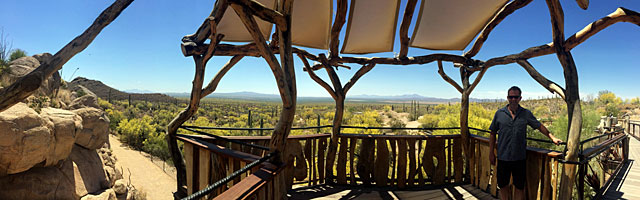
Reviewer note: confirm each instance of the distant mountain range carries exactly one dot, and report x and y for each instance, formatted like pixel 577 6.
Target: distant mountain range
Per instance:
pixel 104 91
pixel 355 98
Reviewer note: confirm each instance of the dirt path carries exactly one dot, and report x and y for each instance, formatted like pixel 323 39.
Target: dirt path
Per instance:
pixel 145 175
pixel 404 117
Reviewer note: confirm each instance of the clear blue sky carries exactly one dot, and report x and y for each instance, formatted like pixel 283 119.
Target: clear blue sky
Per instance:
pixel 141 50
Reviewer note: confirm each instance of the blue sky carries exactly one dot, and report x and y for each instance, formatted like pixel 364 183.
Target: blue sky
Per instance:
pixel 141 50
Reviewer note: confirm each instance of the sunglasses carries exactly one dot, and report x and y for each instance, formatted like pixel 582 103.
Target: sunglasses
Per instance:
pixel 513 97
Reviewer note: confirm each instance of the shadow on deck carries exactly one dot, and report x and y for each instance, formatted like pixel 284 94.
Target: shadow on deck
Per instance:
pixel 350 192
pixel 615 189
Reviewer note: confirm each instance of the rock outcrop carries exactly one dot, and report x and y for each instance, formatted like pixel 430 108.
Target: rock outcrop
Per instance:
pixel 57 153
pixel 23 66
pixel 27 139
pixel 95 131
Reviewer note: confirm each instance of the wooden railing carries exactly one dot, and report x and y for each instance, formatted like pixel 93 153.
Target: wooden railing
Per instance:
pixel 398 161
pixel 210 162
pixel 542 170
pixel 633 128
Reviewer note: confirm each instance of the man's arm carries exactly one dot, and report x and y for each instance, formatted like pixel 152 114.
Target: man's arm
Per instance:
pixel 492 146
pixel 546 132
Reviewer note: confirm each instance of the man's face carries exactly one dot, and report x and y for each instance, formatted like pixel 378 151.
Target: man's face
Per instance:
pixel 514 97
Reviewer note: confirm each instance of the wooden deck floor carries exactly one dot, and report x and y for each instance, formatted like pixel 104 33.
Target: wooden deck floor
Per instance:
pixel 345 192
pixel 626 184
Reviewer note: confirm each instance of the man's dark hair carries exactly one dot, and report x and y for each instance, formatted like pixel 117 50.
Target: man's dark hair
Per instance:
pixel 515 88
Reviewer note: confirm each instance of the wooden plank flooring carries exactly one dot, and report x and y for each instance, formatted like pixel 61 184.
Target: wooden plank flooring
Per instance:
pixel 626 184
pixel 326 192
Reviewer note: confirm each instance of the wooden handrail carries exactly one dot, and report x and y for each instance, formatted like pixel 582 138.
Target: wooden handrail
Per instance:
pixel 226 152
pixel 253 185
pixel 416 137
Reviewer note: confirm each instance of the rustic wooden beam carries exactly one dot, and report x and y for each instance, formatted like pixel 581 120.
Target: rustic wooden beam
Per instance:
pixel 572 99
pixel 212 47
pixel 216 79
pixel 282 129
pixel 28 84
pixel 546 83
pixel 335 80
pixel 252 50
pixel 264 50
pixel 476 81
pixel 263 12
pixel 447 78
pixel 341 18
pixel 620 15
pixel 363 70
pixel 316 78
pixel 183 116
pixel 584 4
pixel 404 27
pixel 205 30
pixel 501 15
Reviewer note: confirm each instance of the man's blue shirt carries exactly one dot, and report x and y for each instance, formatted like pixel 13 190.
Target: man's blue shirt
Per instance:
pixel 512 139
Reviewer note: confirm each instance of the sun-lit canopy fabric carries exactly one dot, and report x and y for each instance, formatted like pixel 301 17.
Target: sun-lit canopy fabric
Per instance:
pixel 452 24
pixel 311 23
pixel 234 30
pixel 371 26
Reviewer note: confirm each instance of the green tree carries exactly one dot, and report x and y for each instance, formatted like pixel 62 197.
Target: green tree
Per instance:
pixel 17 53
pixel 608 103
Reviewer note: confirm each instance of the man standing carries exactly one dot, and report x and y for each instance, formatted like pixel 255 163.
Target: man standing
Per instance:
pixel 511 123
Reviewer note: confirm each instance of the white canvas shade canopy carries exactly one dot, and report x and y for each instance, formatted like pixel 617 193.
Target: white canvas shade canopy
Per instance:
pixel 372 24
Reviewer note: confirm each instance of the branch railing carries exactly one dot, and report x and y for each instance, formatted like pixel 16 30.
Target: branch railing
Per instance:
pixel 397 161
pixel 610 156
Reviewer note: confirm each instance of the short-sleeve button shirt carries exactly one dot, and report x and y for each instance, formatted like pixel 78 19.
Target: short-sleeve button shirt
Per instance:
pixel 512 139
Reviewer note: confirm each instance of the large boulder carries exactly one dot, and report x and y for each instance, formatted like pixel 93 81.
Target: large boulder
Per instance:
pixel 31 139
pixel 85 101
pixel 66 126
pixel 40 183
pixel 23 66
pixel 26 140
pixel 95 128
pixel 108 194
pixel 85 98
pixel 88 172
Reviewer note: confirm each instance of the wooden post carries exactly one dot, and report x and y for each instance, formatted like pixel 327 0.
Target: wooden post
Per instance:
pixel 261 126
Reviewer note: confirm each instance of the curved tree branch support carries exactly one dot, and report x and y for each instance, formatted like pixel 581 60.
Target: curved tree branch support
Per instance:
pixel 25 86
pixel 465 91
pixel 338 93
pixel 572 98
pixel 197 92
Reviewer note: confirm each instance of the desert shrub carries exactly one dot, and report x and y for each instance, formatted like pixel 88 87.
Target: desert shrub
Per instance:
pixel 17 53
pixel 81 93
pixel 115 116
pixel 135 131
pixel 156 145
pixel 428 121
pixel 104 104
pixel 608 103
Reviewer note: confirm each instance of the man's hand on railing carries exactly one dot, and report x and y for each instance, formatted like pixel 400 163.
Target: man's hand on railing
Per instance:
pixel 555 140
